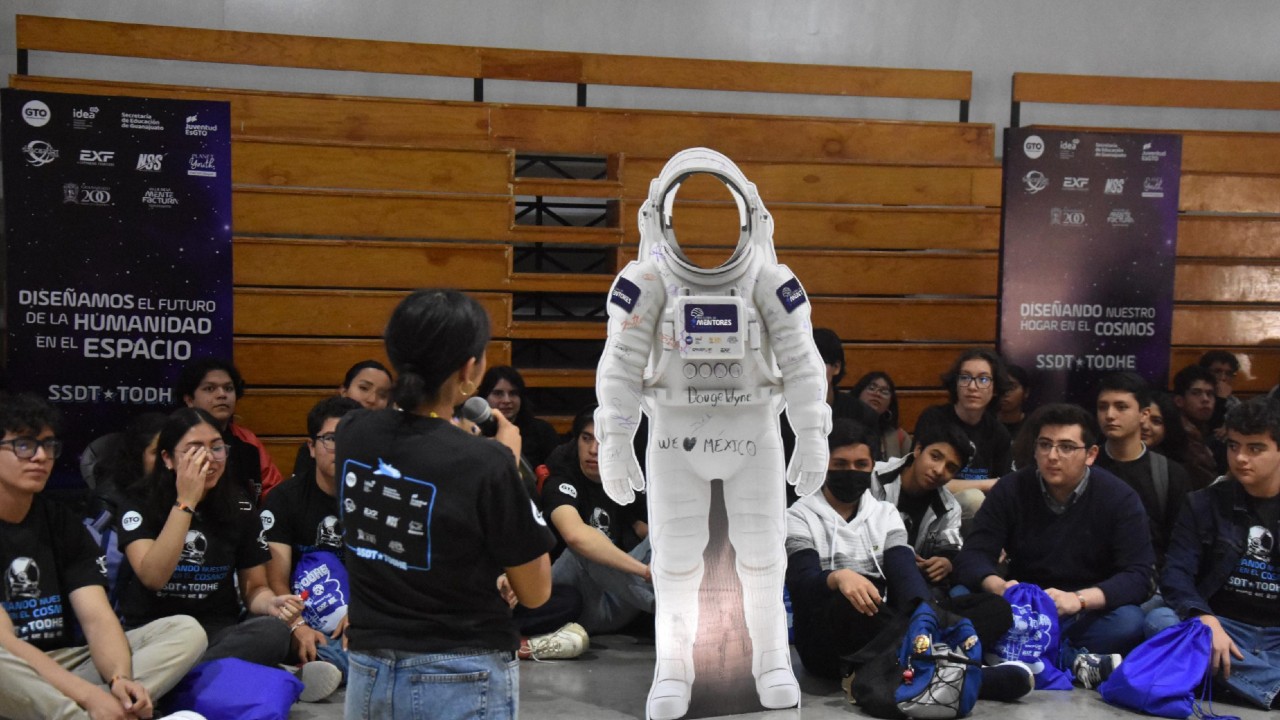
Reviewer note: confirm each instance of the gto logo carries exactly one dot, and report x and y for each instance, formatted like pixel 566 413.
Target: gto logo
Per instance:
pixel 1033 146
pixel 35 113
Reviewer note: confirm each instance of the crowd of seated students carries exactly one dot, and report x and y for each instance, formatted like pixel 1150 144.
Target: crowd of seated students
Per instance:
pixel 982 497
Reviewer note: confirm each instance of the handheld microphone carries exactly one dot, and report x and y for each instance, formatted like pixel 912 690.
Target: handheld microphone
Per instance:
pixel 477 410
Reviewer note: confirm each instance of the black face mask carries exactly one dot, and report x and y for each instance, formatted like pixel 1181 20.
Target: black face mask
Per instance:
pixel 848 485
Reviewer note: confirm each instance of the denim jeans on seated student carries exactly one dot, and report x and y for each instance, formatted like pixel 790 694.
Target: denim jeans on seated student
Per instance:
pixel 333 653
pixel 611 598
pixel 399 685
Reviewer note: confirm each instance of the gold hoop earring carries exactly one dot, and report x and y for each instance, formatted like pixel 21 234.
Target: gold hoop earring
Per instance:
pixel 467 388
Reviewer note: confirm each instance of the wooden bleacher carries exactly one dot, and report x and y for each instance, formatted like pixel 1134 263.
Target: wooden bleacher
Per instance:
pixel 343 204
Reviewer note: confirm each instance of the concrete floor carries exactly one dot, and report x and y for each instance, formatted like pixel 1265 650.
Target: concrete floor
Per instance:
pixel 611 681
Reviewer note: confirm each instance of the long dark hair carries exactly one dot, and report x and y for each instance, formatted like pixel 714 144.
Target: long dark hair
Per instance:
pixel 430 336
pixel 1174 444
pixel 158 491
pixel 513 376
pixel 888 419
pixel 123 467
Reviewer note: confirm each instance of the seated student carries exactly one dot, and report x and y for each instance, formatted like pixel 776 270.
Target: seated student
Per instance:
pixel 55 579
pixel 302 516
pixel 1224 366
pixel 1193 393
pixel 503 386
pixel 1161 483
pixel 191 537
pixel 877 391
pixel 1222 562
pixel 1078 532
pixel 1010 409
pixel 974 381
pixel 847 552
pixel 599 560
pixel 215 386
pixel 916 485
pixel 368 382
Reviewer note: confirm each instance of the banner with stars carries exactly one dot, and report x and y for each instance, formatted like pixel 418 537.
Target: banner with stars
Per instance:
pixel 1087 248
pixel 118 221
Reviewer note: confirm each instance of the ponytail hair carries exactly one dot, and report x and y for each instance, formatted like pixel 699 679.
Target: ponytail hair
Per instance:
pixel 431 335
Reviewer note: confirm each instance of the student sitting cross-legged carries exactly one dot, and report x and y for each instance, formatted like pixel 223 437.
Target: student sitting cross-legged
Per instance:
pixel 55 577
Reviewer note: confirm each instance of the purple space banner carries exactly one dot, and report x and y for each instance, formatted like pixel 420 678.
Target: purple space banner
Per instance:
pixel 1087 248
pixel 118 220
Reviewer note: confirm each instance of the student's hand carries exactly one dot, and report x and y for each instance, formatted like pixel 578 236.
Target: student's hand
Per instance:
pixel 936 568
pixel 1223 647
pixel 192 469
pixel 1067 603
pixel 505 590
pixel 341 631
pixel 102 705
pixel 508 434
pixel 996 585
pixel 860 591
pixel 305 640
pixel 287 607
pixel 133 697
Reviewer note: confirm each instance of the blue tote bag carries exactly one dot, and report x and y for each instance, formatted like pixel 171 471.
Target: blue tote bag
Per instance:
pixel 1035 636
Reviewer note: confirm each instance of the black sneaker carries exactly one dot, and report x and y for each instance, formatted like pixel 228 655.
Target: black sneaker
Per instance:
pixel 1007 681
pixel 1091 669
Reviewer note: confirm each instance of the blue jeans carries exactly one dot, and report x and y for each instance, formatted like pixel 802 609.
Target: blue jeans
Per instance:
pixel 475 684
pixel 1114 631
pixel 610 598
pixel 333 653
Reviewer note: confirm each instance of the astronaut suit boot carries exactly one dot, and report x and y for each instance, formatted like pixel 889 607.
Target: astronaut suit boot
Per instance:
pixel 711 356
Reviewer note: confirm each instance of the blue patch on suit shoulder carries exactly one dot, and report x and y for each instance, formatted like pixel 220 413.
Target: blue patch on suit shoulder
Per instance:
pixel 624 294
pixel 791 295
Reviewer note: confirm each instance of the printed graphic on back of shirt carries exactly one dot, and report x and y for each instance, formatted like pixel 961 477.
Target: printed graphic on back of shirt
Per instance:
pixel 387 515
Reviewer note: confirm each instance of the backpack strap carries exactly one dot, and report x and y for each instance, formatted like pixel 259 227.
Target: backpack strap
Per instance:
pixel 1160 479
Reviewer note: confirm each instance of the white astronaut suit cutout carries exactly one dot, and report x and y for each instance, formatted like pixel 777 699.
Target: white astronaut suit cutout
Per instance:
pixel 712 356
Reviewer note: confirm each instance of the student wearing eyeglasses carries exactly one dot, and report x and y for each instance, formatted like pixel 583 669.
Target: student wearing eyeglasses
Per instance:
pixel 973 383
pixel 55 578
pixel 1075 530
pixel 301 524
pixel 195 546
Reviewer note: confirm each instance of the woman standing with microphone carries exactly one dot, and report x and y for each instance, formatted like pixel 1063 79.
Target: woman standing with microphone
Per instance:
pixel 432 516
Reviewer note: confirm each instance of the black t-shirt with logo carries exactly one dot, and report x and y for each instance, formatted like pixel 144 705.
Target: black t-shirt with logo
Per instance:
pixel 566 485
pixel 1252 590
pixel 431 515
pixel 993 450
pixel 299 514
pixel 203 584
pixel 45 558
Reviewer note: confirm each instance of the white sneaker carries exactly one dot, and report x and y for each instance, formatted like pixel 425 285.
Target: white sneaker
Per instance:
pixel 183 715
pixel 319 680
pixel 569 641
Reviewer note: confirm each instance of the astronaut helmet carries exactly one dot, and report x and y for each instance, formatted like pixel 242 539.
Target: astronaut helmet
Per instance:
pixel 1261 543
pixel 194 547
pixel 329 532
pixel 658 234
pixel 23 579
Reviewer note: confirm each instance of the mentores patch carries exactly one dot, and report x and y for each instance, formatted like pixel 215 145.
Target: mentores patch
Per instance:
pixel 625 294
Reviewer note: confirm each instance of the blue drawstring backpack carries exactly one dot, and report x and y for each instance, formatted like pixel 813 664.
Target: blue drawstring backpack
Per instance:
pixel 1161 675
pixel 1034 638
pixel 942 667
pixel 324 578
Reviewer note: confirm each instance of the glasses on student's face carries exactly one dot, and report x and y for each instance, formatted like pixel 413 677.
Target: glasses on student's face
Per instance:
pixel 328 441
pixel 982 381
pixel 1065 449
pixel 881 390
pixel 25 447
pixel 219 451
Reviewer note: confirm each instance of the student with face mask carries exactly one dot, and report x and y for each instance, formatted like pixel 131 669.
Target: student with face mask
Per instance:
pixel 847 555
